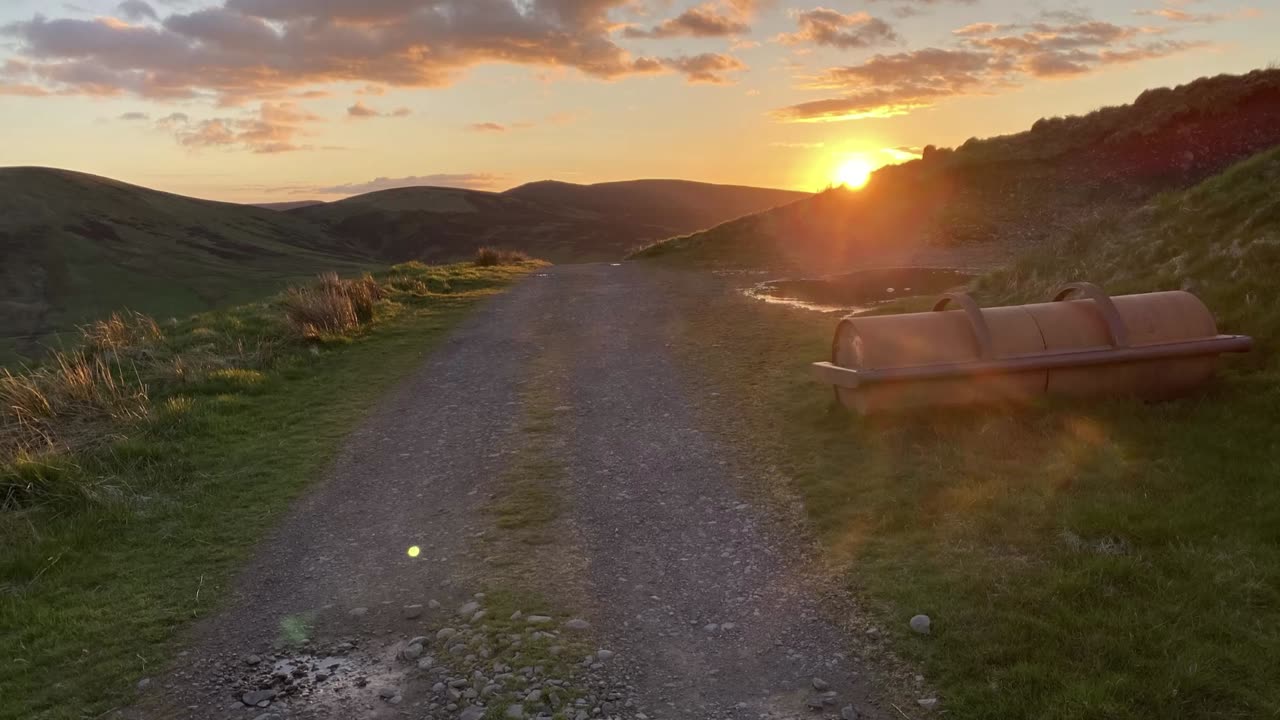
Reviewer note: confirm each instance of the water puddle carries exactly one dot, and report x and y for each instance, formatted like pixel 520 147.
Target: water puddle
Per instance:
pixel 858 291
pixel 342 678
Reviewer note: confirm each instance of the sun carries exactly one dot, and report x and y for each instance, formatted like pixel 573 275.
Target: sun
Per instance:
pixel 854 173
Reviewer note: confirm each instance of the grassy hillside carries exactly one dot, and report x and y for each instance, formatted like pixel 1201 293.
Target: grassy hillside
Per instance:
pixel 138 471
pixel 1219 239
pixel 1080 561
pixel 679 206
pixel 76 246
pixel 1011 192
pixel 557 221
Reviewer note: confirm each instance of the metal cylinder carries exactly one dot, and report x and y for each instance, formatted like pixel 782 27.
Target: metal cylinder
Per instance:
pixel 1153 346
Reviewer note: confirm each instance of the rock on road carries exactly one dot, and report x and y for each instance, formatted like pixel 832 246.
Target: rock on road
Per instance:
pixel 701 598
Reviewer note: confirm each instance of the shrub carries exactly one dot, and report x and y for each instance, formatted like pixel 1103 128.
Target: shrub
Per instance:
pixel 492 257
pixel 333 306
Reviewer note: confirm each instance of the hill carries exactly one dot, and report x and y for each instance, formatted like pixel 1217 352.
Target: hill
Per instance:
pixel 679 206
pixel 1219 239
pixel 284 206
pixel 1012 192
pixel 557 221
pixel 76 246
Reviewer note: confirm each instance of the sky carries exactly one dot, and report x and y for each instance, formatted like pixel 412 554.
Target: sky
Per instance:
pixel 286 100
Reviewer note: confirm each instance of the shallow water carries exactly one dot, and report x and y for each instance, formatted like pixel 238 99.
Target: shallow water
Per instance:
pixel 861 290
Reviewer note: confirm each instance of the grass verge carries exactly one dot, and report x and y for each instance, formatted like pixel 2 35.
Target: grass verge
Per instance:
pixel 1115 560
pixel 242 415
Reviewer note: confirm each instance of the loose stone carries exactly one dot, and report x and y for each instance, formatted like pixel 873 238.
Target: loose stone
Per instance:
pixel 921 624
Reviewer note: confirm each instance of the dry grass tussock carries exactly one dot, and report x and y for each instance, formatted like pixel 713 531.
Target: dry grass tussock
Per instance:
pixel 332 306
pixel 121 333
pixel 493 257
pixel 64 402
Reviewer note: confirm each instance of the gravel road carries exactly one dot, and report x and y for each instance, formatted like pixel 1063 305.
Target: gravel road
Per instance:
pixel 692 600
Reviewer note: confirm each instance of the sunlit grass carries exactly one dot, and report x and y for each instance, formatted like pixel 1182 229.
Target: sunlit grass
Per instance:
pixel 1110 560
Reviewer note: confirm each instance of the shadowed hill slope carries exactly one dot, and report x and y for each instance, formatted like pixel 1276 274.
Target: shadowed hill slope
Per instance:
pixel 681 206
pixel 1012 192
pixel 76 246
pixel 557 221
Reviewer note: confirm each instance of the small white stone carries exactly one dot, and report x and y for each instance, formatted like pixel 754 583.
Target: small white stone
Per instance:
pixel 921 624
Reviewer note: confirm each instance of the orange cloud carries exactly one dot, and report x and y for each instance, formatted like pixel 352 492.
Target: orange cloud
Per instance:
pixel 822 26
pixel 362 111
pixel 273 128
pixel 256 49
pixel 988 57
pixel 472 181
pixel 701 21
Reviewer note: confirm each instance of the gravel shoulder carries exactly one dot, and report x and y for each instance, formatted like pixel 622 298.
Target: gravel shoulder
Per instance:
pixel 637 576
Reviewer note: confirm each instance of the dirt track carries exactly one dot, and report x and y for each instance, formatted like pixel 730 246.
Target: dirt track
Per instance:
pixel 700 594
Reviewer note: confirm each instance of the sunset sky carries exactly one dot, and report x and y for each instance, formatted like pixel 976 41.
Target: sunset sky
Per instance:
pixel 280 100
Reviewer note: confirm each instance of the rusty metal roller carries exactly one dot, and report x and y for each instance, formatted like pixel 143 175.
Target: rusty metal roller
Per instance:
pixel 1082 344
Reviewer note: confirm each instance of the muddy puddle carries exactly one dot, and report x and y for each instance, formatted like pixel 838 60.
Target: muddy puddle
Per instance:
pixel 861 290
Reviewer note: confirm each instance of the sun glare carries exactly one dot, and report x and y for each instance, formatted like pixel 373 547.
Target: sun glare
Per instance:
pixel 854 173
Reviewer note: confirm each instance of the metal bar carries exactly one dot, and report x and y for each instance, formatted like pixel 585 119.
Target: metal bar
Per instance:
pixel 978 321
pixel 1110 315
pixel 1087 357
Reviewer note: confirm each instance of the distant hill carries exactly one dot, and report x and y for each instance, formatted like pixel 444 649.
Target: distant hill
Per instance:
pixel 76 246
pixel 1006 194
pixel 561 222
pixel 679 206
pixel 283 206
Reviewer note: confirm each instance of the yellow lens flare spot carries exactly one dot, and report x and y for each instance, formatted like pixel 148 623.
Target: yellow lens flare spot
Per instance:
pixel 415 551
pixel 854 173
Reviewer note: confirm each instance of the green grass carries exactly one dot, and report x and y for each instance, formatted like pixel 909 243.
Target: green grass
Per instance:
pixel 94 588
pixel 1104 561
pixel 1109 560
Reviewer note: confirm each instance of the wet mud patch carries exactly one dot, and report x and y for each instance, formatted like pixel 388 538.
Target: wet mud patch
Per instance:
pixel 861 290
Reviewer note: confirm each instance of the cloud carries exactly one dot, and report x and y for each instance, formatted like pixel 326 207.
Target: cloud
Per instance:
pixel 908 8
pixel 1182 16
pixel 470 181
pixel 360 110
pixel 245 50
pixel 798 145
pixel 172 120
pixel 705 68
pixel 903 153
pixel 132 116
pixel 272 128
pixel 136 10
pixel 702 21
pixel 822 26
pixel 487 127
pixel 988 58
pixel 981 28
pixel 22 90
